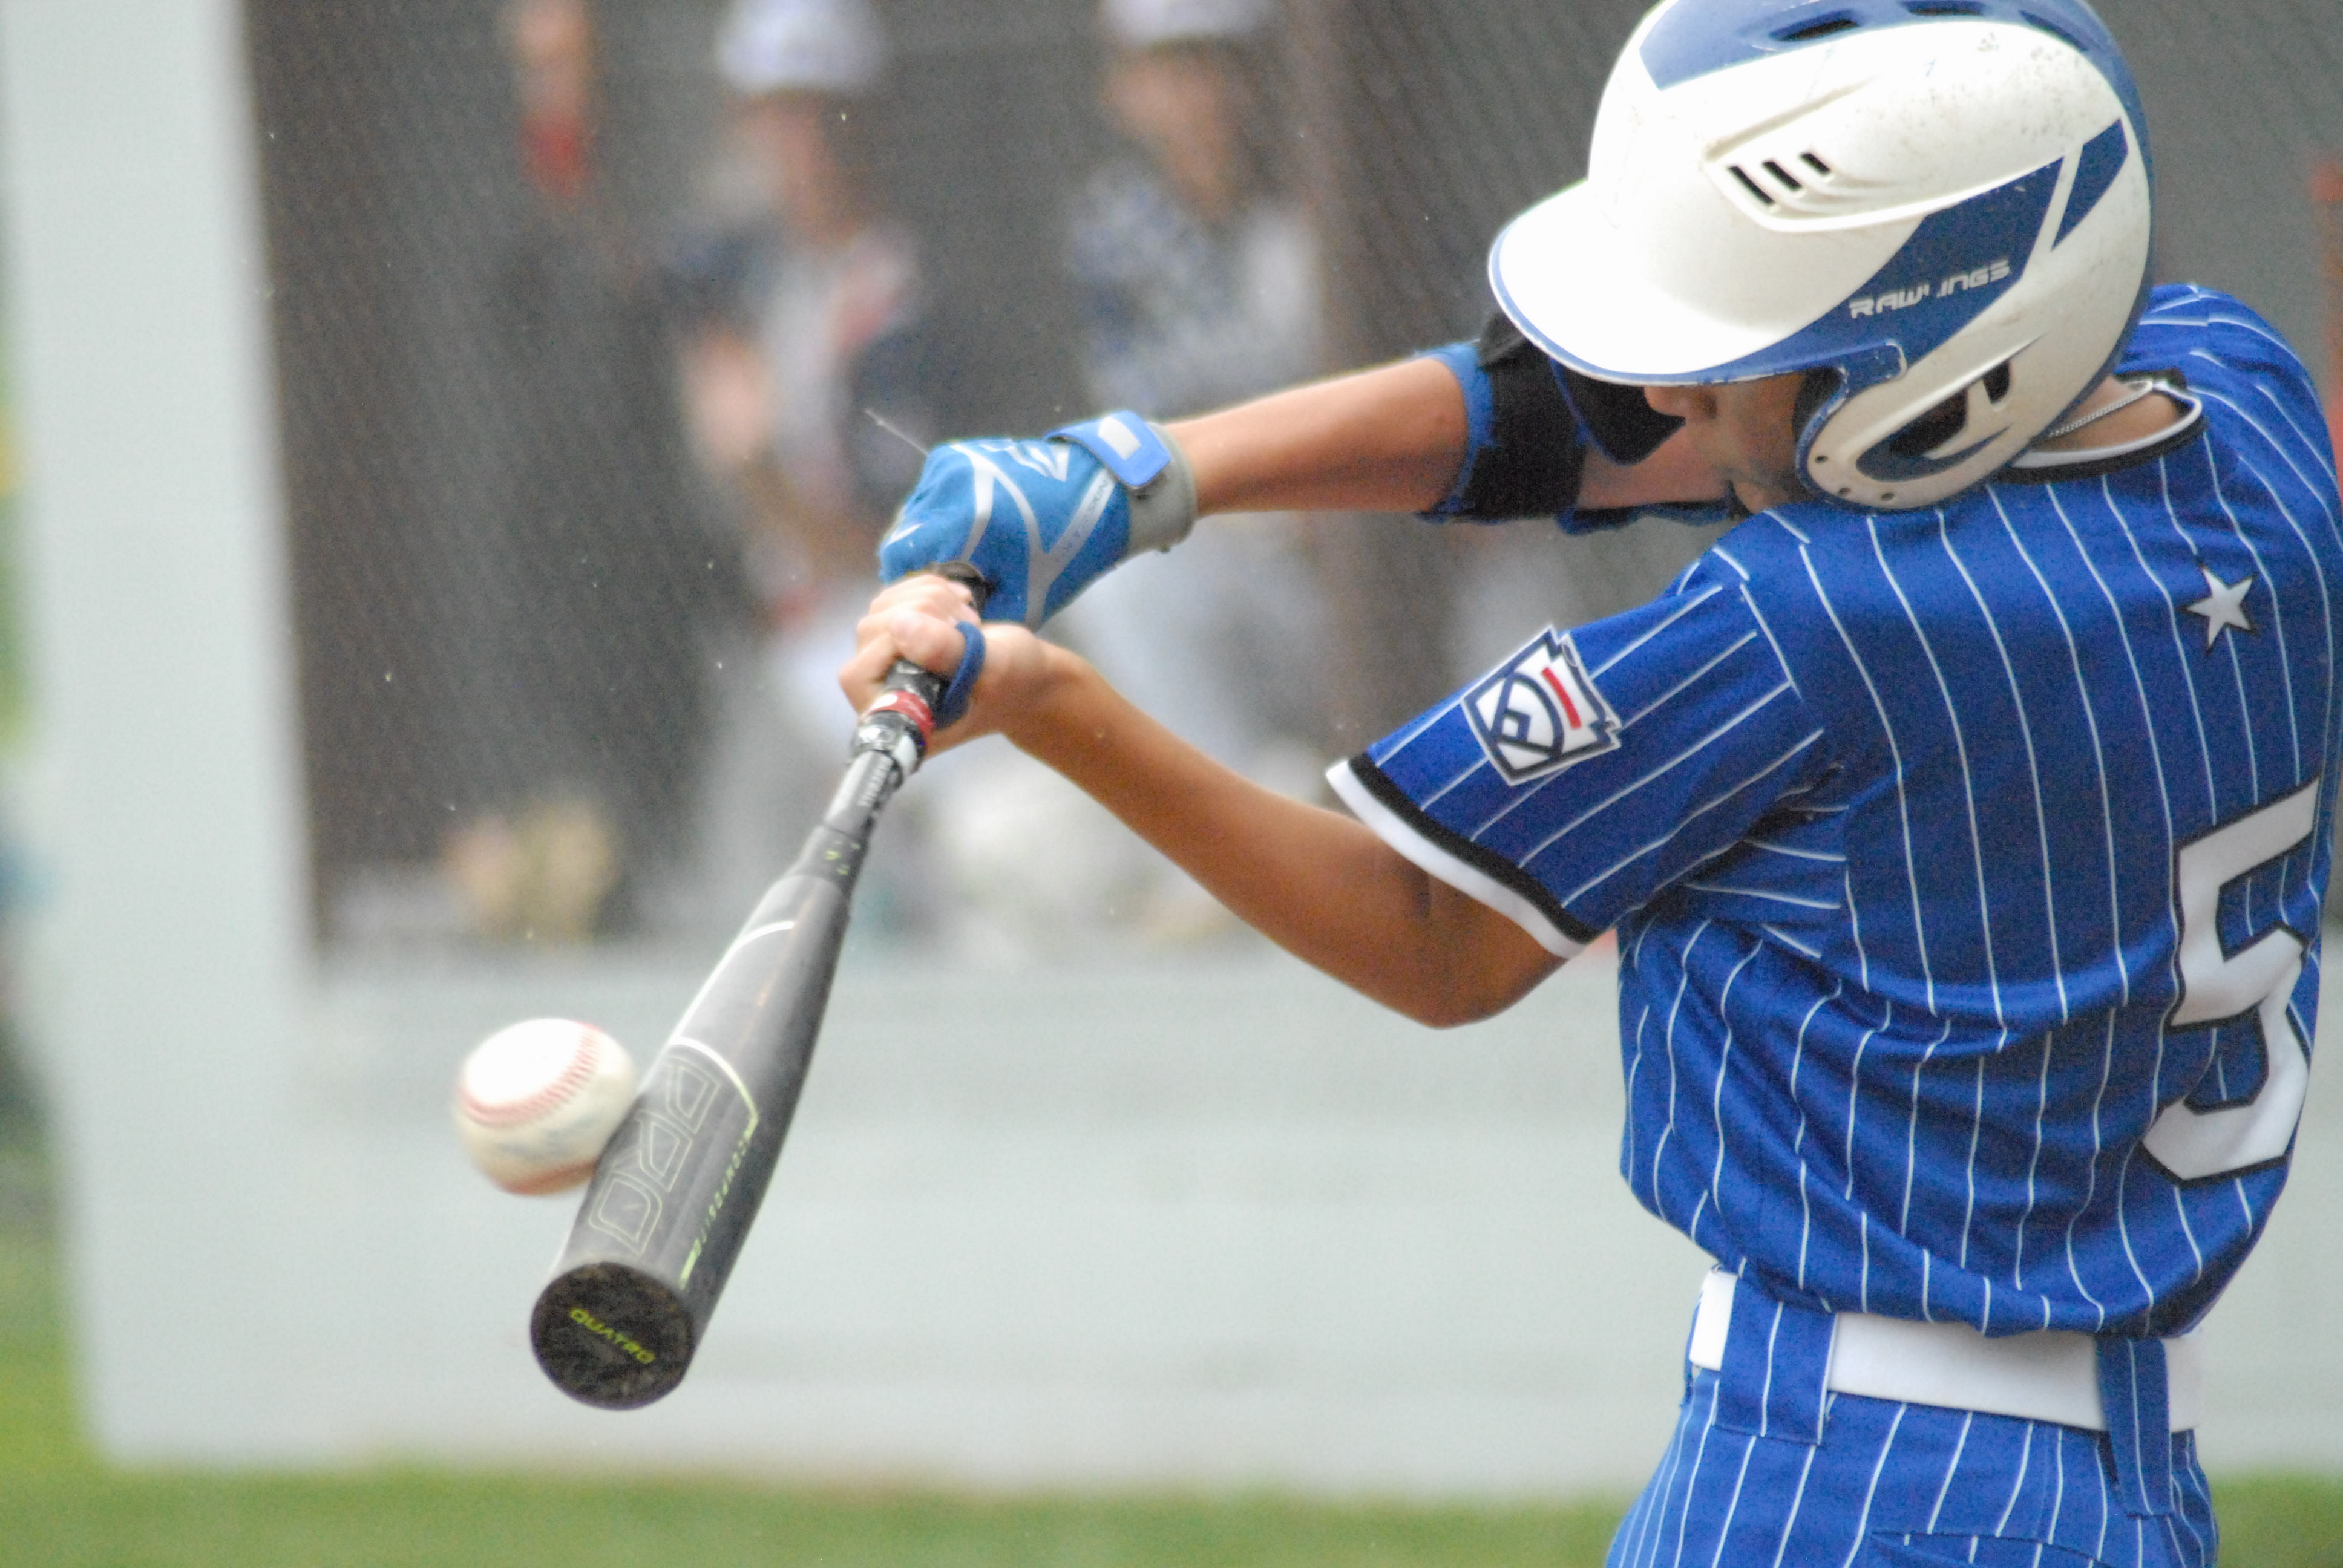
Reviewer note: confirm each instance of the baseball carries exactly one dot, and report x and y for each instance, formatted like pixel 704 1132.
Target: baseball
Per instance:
pixel 536 1102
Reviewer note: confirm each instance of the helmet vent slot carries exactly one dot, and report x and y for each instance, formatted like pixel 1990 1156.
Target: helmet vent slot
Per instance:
pixel 1996 382
pixel 1751 186
pixel 1945 7
pixel 1932 429
pixel 1783 183
pixel 1821 27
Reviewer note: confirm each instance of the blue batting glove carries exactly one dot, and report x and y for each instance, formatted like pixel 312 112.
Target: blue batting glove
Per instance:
pixel 1042 520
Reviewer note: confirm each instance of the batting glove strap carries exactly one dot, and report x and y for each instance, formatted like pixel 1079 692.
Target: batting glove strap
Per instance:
pixel 953 704
pixel 1149 465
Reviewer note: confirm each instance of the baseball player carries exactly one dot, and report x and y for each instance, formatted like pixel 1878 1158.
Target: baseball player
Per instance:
pixel 1963 814
pixel 1197 285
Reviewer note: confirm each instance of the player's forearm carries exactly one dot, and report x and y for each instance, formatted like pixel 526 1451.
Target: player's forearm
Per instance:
pixel 1389 439
pixel 1317 883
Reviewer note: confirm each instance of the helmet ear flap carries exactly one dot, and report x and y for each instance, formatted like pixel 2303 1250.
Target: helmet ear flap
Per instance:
pixel 1907 455
pixel 1819 389
pixel 1819 396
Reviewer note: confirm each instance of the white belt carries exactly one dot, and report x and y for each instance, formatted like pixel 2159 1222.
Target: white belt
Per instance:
pixel 2051 1376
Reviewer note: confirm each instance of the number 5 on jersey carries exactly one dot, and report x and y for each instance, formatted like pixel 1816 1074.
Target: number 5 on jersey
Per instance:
pixel 2199 1145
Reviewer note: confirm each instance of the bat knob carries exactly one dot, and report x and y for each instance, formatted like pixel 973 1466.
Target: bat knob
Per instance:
pixel 612 1336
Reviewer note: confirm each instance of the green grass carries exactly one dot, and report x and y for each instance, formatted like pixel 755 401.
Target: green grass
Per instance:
pixel 62 1507
pixel 413 1519
pixel 2280 1520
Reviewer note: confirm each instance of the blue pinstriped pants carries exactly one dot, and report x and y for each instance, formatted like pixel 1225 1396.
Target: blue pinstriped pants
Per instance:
pixel 1894 1486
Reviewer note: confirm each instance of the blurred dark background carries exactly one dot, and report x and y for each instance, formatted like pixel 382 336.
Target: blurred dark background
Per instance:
pixel 400 208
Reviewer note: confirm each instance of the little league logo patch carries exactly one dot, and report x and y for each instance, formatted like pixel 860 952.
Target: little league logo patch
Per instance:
pixel 1539 712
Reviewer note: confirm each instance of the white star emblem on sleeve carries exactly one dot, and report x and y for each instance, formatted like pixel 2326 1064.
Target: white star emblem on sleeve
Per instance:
pixel 2223 606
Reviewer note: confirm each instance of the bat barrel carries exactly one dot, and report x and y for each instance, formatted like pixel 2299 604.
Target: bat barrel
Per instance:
pixel 681 1180
pixel 679 1183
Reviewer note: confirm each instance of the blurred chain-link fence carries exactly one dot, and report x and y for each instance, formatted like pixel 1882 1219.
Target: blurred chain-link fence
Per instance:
pixel 577 336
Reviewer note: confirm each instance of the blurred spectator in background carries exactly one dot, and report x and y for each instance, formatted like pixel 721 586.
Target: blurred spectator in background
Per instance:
pixel 588 696
pixel 817 318
pixel 2326 204
pixel 1198 282
pixel 2326 209
pixel 811 370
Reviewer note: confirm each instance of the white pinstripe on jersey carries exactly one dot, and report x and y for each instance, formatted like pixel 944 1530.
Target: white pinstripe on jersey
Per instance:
pixel 1891 836
pixel 1946 1486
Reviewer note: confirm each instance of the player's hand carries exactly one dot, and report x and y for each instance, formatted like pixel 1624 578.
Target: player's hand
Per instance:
pixel 1042 520
pixel 922 618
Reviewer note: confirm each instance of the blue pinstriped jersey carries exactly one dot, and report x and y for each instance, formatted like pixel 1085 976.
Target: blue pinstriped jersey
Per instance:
pixel 1967 864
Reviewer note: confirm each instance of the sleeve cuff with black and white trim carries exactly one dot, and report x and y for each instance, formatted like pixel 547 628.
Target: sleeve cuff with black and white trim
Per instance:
pixel 1436 851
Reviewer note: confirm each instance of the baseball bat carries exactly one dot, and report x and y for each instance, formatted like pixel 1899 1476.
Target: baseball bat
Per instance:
pixel 681 1180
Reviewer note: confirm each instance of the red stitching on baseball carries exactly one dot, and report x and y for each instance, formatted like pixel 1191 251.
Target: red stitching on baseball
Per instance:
pixel 573 1078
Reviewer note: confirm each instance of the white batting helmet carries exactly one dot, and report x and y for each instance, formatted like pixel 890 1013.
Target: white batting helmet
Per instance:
pixel 1931 198
pixel 801 45
pixel 1145 23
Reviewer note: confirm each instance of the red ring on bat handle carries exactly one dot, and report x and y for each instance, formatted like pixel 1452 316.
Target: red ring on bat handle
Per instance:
pixel 913 708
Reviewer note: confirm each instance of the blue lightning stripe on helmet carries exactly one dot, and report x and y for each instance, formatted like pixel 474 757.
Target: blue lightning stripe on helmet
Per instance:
pixel 2103 158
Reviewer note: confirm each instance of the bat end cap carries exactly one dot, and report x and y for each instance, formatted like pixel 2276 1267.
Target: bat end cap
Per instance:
pixel 611 1336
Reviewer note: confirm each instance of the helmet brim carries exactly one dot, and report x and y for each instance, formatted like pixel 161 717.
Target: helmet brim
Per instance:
pixel 1586 292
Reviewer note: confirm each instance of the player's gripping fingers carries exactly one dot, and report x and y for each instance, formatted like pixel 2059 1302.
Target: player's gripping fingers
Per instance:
pixel 924 619
pixel 918 620
pixel 929 593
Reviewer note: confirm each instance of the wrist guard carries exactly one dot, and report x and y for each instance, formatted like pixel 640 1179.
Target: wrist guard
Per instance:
pixel 1153 472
